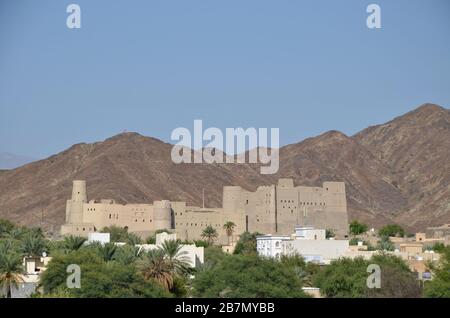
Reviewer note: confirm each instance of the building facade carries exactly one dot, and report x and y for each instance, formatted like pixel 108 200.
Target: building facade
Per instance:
pixel 274 209
pixel 308 242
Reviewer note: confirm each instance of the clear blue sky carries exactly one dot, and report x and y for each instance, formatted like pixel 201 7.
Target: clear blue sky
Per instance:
pixel 151 66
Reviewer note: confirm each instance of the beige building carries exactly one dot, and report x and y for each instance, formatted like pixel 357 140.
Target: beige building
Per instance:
pixel 272 209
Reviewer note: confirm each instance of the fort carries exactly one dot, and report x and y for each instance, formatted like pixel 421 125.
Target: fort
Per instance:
pixel 273 209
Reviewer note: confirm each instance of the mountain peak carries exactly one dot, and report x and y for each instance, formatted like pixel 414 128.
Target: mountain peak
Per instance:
pixel 335 134
pixel 429 107
pixel 125 135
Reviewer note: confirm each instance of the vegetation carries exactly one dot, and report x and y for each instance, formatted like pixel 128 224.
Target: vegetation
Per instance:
pixel 247 276
pixel 110 270
pixel 391 230
pixel 209 234
pixel 356 228
pixel 439 287
pixel 348 278
pixel 229 229
pixel 99 278
pixel 10 267
pixel 329 233
pixel 246 243
pixel 385 244
pixel 120 234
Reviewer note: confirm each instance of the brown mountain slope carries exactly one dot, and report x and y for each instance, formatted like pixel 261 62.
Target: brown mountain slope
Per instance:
pixel 416 149
pixel 127 167
pixel 334 156
pixel 133 168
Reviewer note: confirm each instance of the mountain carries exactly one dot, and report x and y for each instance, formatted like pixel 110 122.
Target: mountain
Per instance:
pixel 415 148
pixel 12 161
pixel 395 172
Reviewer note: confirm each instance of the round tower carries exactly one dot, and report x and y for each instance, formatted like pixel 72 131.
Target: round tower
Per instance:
pixel 75 204
pixel 162 215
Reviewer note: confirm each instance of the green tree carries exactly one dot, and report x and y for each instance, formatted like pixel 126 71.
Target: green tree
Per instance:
pixel 116 233
pixel 305 271
pixel 106 251
pixel 392 230
pixel 5 227
pixel 247 276
pixel 99 279
pixel 177 259
pixel 34 244
pixel 213 255
pixel 246 243
pixel 127 254
pixel 73 243
pixel 155 267
pixel 356 228
pixel 385 244
pixel 229 229
pixel 348 278
pixel 133 239
pixel 210 234
pixel 439 286
pixel 329 234
pixel 15 233
pixel 11 268
pixel 201 243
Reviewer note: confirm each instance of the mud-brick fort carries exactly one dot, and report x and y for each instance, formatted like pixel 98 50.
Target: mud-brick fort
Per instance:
pixel 274 209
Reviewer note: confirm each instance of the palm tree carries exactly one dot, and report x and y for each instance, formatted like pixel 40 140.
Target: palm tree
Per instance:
pixel 15 234
pixel 73 243
pixel 5 227
pixel 33 244
pixel 176 258
pixel 11 268
pixel 156 267
pixel 229 229
pixel 210 234
pixel 133 239
pixel 105 251
pixel 127 254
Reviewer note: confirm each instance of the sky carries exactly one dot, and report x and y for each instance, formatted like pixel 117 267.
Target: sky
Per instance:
pixel 304 67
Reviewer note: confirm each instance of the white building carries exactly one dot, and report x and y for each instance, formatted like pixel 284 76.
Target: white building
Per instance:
pixel 194 254
pixel 308 242
pixel 102 238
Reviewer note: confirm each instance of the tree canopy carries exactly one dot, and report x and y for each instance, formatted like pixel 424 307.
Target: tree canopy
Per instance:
pixel 356 228
pixel 246 276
